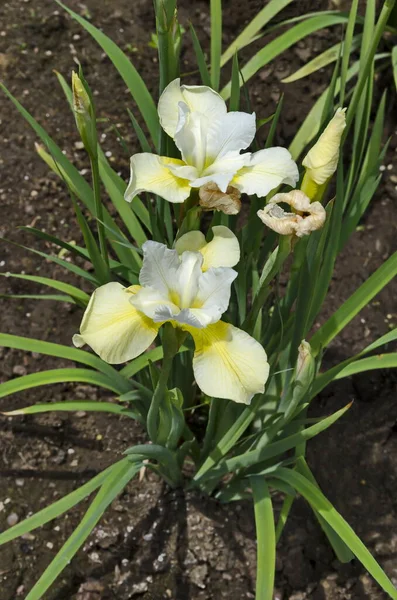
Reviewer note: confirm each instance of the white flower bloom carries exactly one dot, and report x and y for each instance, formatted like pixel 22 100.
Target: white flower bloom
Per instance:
pixel 210 140
pixel 121 323
pixel 307 216
pixel 322 160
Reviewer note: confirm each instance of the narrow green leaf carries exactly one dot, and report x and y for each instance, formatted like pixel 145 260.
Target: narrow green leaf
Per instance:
pixel 126 69
pixel 81 297
pixel 139 133
pixel 357 301
pixel 66 89
pixel 282 43
pixel 110 489
pixel 56 298
pixel 266 538
pixel 72 406
pixel 52 376
pixel 72 248
pixel 143 361
pixel 394 64
pixel 59 507
pixel 60 351
pixel 265 15
pixel 216 42
pixel 234 103
pixel 348 46
pixel 200 58
pixel 320 503
pixel 322 60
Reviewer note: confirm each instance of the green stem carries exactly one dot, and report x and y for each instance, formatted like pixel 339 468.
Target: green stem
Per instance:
pixel 96 182
pixel 170 345
pixel 210 430
pixel 285 510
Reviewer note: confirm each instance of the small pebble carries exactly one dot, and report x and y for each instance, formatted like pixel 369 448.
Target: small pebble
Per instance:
pixel 50 545
pixel 12 519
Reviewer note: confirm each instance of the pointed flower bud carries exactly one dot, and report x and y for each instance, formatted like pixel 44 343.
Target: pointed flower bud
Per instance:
pixel 322 160
pixel 84 115
pixel 306 216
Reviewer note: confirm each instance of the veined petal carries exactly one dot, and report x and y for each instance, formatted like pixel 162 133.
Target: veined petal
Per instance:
pixel 223 250
pixel 193 241
pixel 199 98
pixel 267 169
pixel 191 139
pixel 228 363
pixel 113 327
pixel 233 132
pixel 151 173
pixel 160 266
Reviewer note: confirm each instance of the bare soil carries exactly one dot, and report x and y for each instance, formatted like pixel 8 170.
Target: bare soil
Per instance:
pixel 156 544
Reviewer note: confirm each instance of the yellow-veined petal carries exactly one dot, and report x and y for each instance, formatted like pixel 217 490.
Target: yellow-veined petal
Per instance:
pixel 151 173
pixel 228 363
pixel 112 327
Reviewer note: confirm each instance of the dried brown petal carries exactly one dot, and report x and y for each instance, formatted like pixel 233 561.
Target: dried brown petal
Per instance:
pixel 211 198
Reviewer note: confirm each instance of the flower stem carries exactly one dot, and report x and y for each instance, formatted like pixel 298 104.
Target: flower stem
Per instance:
pixel 99 209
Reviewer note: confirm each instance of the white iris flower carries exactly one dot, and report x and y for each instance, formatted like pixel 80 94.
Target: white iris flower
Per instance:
pixel 210 140
pixel 120 323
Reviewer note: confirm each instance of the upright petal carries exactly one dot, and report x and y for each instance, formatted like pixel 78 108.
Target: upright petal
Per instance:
pixel 113 327
pixel 233 132
pixel 228 363
pixel 267 169
pixel 199 98
pixel 214 291
pixel 222 251
pixel 187 279
pixel 151 173
pixel 191 139
pixel 160 266
pixel 154 304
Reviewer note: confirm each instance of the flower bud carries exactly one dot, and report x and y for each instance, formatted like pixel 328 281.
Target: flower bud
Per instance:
pixel 322 160
pixel 211 198
pixel 84 115
pixel 306 216
pixel 305 367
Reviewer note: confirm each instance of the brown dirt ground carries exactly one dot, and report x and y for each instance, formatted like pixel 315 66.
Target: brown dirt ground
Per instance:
pixel 155 544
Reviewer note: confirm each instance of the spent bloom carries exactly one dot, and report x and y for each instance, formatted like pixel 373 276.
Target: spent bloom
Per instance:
pixel 322 160
pixel 306 216
pixel 120 323
pixel 210 140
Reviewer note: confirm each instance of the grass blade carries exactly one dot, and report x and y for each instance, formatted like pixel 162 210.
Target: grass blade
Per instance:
pixel 320 503
pixel 72 406
pixel 216 42
pixel 357 301
pixel 115 482
pixel 26 382
pixel 59 507
pixel 126 69
pixel 267 13
pixel 266 538
pixel 282 43
pixel 200 58
pixel 79 296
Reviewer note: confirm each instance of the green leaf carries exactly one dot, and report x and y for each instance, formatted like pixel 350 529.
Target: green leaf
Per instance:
pixel 342 551
pixel 320 503
pixel 394 64
pixel 216 42
pixel 57 298
pixel 347 48
pixel 66 89
pixel 357 301
pixel 234 103
pixel 72 248
pixel 282 43
pixel 277 448
pixel 58 162
pixel 115 482
pixel 381 361
pixel 200 58
pixel 52 376
pixel 267 13
pixel 59 507
pixel 130 75
pixel 322 60
pixel 266 538
pixel 139 133
pixel 78 295
pixel 69 353
pixel 72 406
